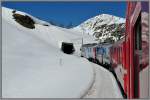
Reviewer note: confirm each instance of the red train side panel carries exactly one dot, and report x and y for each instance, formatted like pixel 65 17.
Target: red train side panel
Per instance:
pixel 130 57
pixel 137 39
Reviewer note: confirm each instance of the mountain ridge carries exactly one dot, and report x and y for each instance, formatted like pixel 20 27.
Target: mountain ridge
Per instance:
pixel 103 27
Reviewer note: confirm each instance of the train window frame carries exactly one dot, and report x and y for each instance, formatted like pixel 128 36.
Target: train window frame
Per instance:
pixel 138 48
pixel 138 33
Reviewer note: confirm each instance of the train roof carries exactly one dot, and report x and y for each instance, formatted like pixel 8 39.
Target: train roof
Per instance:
pixel 90 44
pixel 105 44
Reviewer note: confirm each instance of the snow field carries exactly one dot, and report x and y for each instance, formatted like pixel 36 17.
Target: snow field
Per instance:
pixel 34 66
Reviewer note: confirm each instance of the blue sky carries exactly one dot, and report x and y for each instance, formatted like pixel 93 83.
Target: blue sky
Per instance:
pixel 66 13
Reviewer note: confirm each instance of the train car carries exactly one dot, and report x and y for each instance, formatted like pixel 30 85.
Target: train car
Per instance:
pixel 106 57
pixel 97 53
pixel 138 36
pixel 116 53
pixel 138 41
pixel 103 54
pixel 88 51
pixel 117 60
pixel 130 58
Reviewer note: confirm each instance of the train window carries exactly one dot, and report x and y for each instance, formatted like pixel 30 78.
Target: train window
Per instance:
pixel 138 39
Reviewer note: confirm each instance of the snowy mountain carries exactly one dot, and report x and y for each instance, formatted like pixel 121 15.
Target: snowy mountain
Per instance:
pixel 104 27
pixel 33 66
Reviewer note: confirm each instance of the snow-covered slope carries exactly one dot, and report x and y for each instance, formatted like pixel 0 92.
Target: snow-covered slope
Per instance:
pixel 103 26
pixel 33 65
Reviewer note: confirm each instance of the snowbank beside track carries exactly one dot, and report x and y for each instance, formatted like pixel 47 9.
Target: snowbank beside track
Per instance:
pixel 33 66
pixel 105 85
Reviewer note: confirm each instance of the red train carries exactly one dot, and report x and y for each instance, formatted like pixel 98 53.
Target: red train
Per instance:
pixel 129 57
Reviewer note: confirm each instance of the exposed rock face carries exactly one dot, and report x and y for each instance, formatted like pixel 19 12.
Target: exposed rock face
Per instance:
pixel 24 20
pixel 104 27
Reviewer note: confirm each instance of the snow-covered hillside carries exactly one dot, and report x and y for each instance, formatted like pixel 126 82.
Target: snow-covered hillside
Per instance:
pixel 33 65
pixel 103 27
